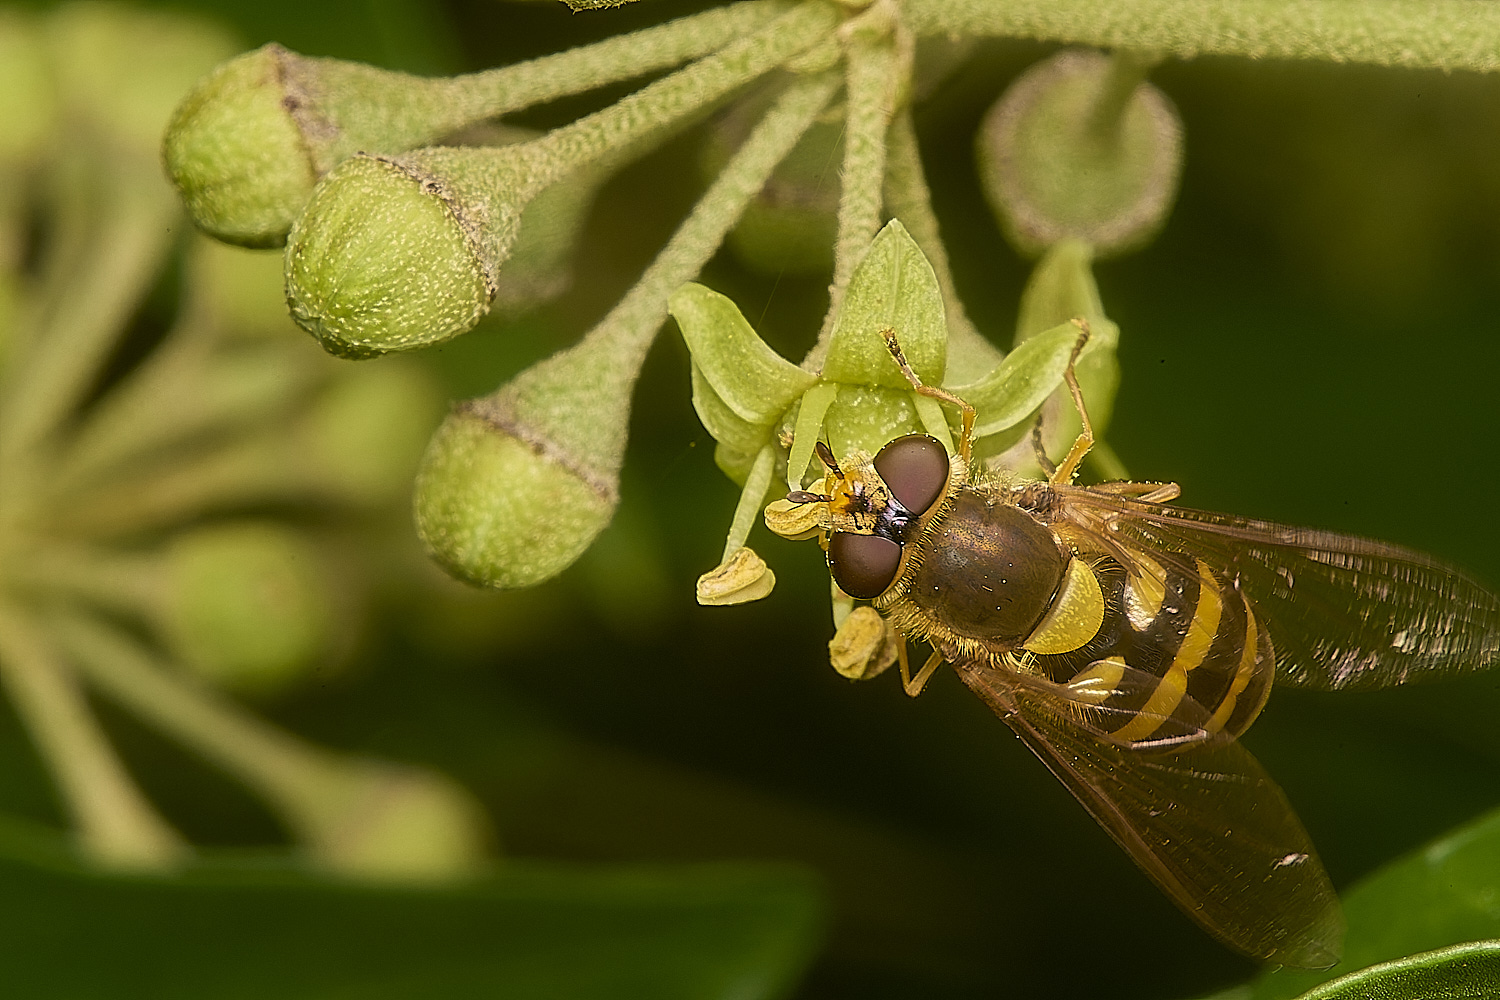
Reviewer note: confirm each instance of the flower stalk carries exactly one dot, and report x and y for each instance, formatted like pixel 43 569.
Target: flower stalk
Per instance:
pixel 114 822
pixel 247 145
pixel 355 816
pixel 488 497
pixel 1441 34
pixel 401 252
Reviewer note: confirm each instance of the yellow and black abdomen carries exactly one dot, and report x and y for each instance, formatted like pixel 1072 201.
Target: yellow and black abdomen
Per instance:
pixel 1180 652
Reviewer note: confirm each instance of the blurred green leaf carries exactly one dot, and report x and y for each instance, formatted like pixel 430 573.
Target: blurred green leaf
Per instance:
pixel 1468 970
pixel 1445 893
pixel 265 929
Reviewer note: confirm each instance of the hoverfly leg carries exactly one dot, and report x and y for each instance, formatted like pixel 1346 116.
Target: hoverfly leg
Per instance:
pixel 914 685
pixel 1145 492
pixel 966 443
pixel 1085 440
pixel 1165 493
pixel 1047 465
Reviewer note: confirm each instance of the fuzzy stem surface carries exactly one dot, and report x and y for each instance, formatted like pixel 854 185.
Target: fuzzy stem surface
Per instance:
pixel 611 354
pixel 666 101
pixel 874 73
pixel 1438 34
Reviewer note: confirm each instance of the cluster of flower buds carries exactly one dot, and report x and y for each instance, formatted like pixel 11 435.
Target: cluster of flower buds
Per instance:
pixel 171 461
pixel 402 228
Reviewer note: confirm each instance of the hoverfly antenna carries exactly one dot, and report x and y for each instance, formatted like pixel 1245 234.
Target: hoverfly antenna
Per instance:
pixel 825 455
pixel 802 496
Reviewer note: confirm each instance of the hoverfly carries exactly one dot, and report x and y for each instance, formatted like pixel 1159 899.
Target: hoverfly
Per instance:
pixel 1129 643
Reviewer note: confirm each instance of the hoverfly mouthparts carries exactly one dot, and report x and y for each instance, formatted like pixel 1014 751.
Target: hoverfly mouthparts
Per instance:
pixel 1129 643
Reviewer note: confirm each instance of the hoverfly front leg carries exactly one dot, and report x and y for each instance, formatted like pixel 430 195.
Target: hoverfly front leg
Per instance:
pixel 913 685
pixel 966 443
pixel 1065 472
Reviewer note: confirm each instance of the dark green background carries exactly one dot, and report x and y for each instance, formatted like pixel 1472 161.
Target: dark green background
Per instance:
pixel 1311 339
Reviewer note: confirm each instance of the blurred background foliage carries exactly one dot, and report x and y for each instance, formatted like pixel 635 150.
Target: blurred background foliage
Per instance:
pixel 1310 339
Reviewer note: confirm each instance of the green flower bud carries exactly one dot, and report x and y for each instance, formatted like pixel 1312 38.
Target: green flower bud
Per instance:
pixel 244 605
pixel 516 485
pixel 395 253
pixel 501 510
pixel 1080 147
pixel 236 154
pixel 250 140
pixel 395 823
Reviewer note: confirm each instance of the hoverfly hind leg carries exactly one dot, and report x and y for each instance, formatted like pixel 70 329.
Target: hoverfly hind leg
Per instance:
pixel 1065 472
pixel 966 411
pixel 1144 492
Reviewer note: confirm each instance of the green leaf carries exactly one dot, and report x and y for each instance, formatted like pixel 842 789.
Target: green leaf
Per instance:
pixel 728 428
pixel 894 288
pixel 752 380
pixel 1442 894
pixel 1466 970
pixel 255 930
pixel 1014 389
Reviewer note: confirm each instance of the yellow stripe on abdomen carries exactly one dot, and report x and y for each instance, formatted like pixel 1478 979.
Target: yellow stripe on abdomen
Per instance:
pixel 1195 644
pixel 1242 675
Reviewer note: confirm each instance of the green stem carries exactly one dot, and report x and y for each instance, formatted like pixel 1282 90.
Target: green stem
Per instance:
pixel 76 336
pixel 666 101
pixel 305 784
pixel 909 199
pixel 376 109
pixel 752 498
pixel 1127 71
pixel 116 825
pixel 130 584
pixel 607 361
pixel 251 470
pixel 185 392
pixel 873 76
pixel 1439 34
pixel 501 91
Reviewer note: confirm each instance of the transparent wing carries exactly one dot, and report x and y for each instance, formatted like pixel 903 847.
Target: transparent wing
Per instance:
pixel 1205 823
pixel 1090 701
pixel 1344 612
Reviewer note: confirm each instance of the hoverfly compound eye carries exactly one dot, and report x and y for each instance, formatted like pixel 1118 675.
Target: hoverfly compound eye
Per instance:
pixel 915 467
pixel 864 566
